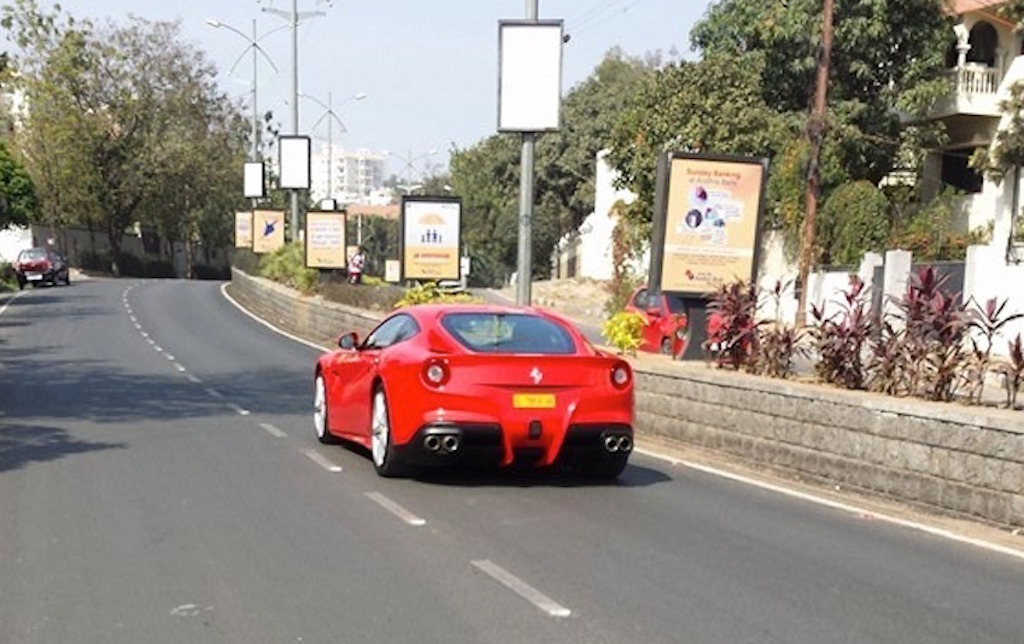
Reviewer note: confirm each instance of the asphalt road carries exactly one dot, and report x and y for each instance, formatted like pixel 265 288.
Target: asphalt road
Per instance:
pixel 160 483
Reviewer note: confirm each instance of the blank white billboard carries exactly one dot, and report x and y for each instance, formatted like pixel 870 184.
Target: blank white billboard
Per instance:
pixel 295 162
pixel 529 75
pixel 253 180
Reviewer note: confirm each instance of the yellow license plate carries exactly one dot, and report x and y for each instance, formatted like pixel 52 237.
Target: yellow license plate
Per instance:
pixel 533 401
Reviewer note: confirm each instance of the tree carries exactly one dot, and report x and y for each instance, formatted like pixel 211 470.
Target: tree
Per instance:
pixel 125 125
pixel 18 200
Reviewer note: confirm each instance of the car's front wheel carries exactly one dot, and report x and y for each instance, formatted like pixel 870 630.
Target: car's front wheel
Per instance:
pixel 320 411
pixel 382 448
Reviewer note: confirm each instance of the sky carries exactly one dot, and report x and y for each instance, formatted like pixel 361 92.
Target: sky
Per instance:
pixel 429 70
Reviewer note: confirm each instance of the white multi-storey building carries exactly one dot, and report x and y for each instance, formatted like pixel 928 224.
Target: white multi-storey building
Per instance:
pixel 349 176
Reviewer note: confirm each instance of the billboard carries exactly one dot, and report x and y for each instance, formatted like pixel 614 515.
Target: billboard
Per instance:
pixel 253 182
pixel 268 230
pixel 431 230
pixel 325 240
pixel 529 75
pixel 708 227
pixel 294 161
pixel 243 229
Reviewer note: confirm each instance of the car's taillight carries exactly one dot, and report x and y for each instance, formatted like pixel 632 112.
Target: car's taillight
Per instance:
pixel 621 375
pixel 435 372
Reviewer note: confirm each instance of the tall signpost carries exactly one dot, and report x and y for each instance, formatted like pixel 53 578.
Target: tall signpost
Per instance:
pixel 529 102
pixel 707 230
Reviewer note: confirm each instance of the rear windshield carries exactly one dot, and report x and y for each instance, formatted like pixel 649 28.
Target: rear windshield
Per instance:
pixel 32 253
pixel 508 333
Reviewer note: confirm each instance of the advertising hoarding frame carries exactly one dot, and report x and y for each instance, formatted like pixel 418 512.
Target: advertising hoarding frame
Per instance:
pixel 523 106
pixel 254 180
pixel 258 245
pixel 695 301
pixel 311 218
pixel 403 227
pixel 240 240
pixel 294 161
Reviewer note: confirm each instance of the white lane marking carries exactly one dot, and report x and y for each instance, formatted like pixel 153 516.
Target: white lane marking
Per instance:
pixel 241 411
pixel 214 393
pixel 158 348
pixel 151 342
pixel 179 367
pixel 273 431
pixel 144 334
pixel 11 299
pixel 396 509
pixel 322 461
pixel 169 357
pixel 523 589
pixel 133 318
pixel 224 292
pixel 193 378
pixel 138 327
pixel 842 507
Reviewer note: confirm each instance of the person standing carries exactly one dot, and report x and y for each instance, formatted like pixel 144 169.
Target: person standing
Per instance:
pixel 355 266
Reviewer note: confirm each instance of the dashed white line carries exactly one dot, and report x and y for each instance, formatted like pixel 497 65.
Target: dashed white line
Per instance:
pixel 169 357
pixel 193 378
pixel 145 335
pixel 396 509
pixel 179 367
pixel 11 299
pixel 214 393
pixel 151 342
pixel 273 431
pixel 138 327
pixel 133 318
pixel 523 589
pixel 241 411
pixel 320 460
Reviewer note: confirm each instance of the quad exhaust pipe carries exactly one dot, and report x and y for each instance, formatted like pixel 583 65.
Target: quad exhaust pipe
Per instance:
pixel 613 443
pixel 432 443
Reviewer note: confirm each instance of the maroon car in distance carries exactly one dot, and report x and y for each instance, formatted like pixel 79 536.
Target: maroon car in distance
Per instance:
pixel 664 321
pixel 38 265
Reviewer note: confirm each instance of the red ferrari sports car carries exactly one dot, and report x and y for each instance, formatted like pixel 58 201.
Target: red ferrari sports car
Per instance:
pixel 440 384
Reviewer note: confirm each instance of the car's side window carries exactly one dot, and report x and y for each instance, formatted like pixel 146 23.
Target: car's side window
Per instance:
pixel 391 331
pixel 640 299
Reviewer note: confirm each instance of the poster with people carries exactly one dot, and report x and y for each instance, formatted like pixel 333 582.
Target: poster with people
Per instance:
pixel 431 238
pixel 711 222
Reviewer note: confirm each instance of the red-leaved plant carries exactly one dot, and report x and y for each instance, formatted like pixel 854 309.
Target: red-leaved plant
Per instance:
pixel 987 321
pixel 778 343
pixel 1013 372
pixel 839 339
pixel 732 326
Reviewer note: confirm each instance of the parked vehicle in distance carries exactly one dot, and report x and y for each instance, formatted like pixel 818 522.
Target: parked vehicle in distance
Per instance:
pixel 38 265
pixel 438 384
pixel 665 321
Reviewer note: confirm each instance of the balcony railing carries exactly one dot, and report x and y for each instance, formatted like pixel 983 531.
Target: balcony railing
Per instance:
pixel 976 79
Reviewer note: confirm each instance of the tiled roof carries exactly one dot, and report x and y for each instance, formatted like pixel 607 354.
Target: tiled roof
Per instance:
pixel 963 6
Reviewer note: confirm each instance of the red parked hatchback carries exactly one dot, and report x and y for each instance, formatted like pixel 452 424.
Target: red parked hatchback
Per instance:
pixel 665 321
pixel 38 265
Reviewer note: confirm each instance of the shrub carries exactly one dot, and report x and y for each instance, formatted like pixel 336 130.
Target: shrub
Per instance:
pixel 1013 372
pixel 7 277
pixel 624 331
pixel 839 339
pixel 382 298
pixel 430 293
pixel 287 265
pixel 778 344
pixel 855 219
pixel 733 326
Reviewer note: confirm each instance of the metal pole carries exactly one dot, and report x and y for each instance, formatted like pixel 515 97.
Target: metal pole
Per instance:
pixel 255 112
pixel 295 107
pixel 330 146
pixel 524 270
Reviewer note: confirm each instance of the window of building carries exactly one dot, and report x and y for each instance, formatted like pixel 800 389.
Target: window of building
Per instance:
pixel 984 42
pixel 957 172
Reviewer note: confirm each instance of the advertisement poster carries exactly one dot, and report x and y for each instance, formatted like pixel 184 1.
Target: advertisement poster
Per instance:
pixel 325 240
pixel 243 230
pixel 711 225
pixel 267 230
pixel 431 229
pixel 392 271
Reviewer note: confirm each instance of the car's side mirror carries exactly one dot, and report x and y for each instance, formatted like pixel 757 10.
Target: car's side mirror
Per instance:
pixel 349 340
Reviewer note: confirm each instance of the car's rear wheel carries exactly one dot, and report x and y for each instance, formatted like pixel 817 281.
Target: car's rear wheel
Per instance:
pixel 666 347
pixel 320 411
pixel 382 448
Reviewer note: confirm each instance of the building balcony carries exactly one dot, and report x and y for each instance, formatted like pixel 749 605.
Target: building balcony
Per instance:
pixel 975 92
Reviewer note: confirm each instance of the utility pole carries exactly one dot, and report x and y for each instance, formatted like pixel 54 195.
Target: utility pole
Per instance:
pixel 293 18
pixel 815 136
pixel 524 269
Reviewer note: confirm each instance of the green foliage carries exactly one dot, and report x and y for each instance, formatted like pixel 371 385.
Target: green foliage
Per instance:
pixel 7 278
pixel 623 282
pixel 431 293
pixel 18 201
pixel 624 331
pixel 854 220
pixel 928 231
pixel 287 265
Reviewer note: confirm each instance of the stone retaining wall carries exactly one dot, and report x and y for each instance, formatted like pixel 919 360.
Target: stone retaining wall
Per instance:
pixel 962 460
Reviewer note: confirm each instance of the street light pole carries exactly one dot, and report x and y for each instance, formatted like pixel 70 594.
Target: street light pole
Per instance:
pixel 293 18
pixel 331 116
pixel 524 268
pixel 409 166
